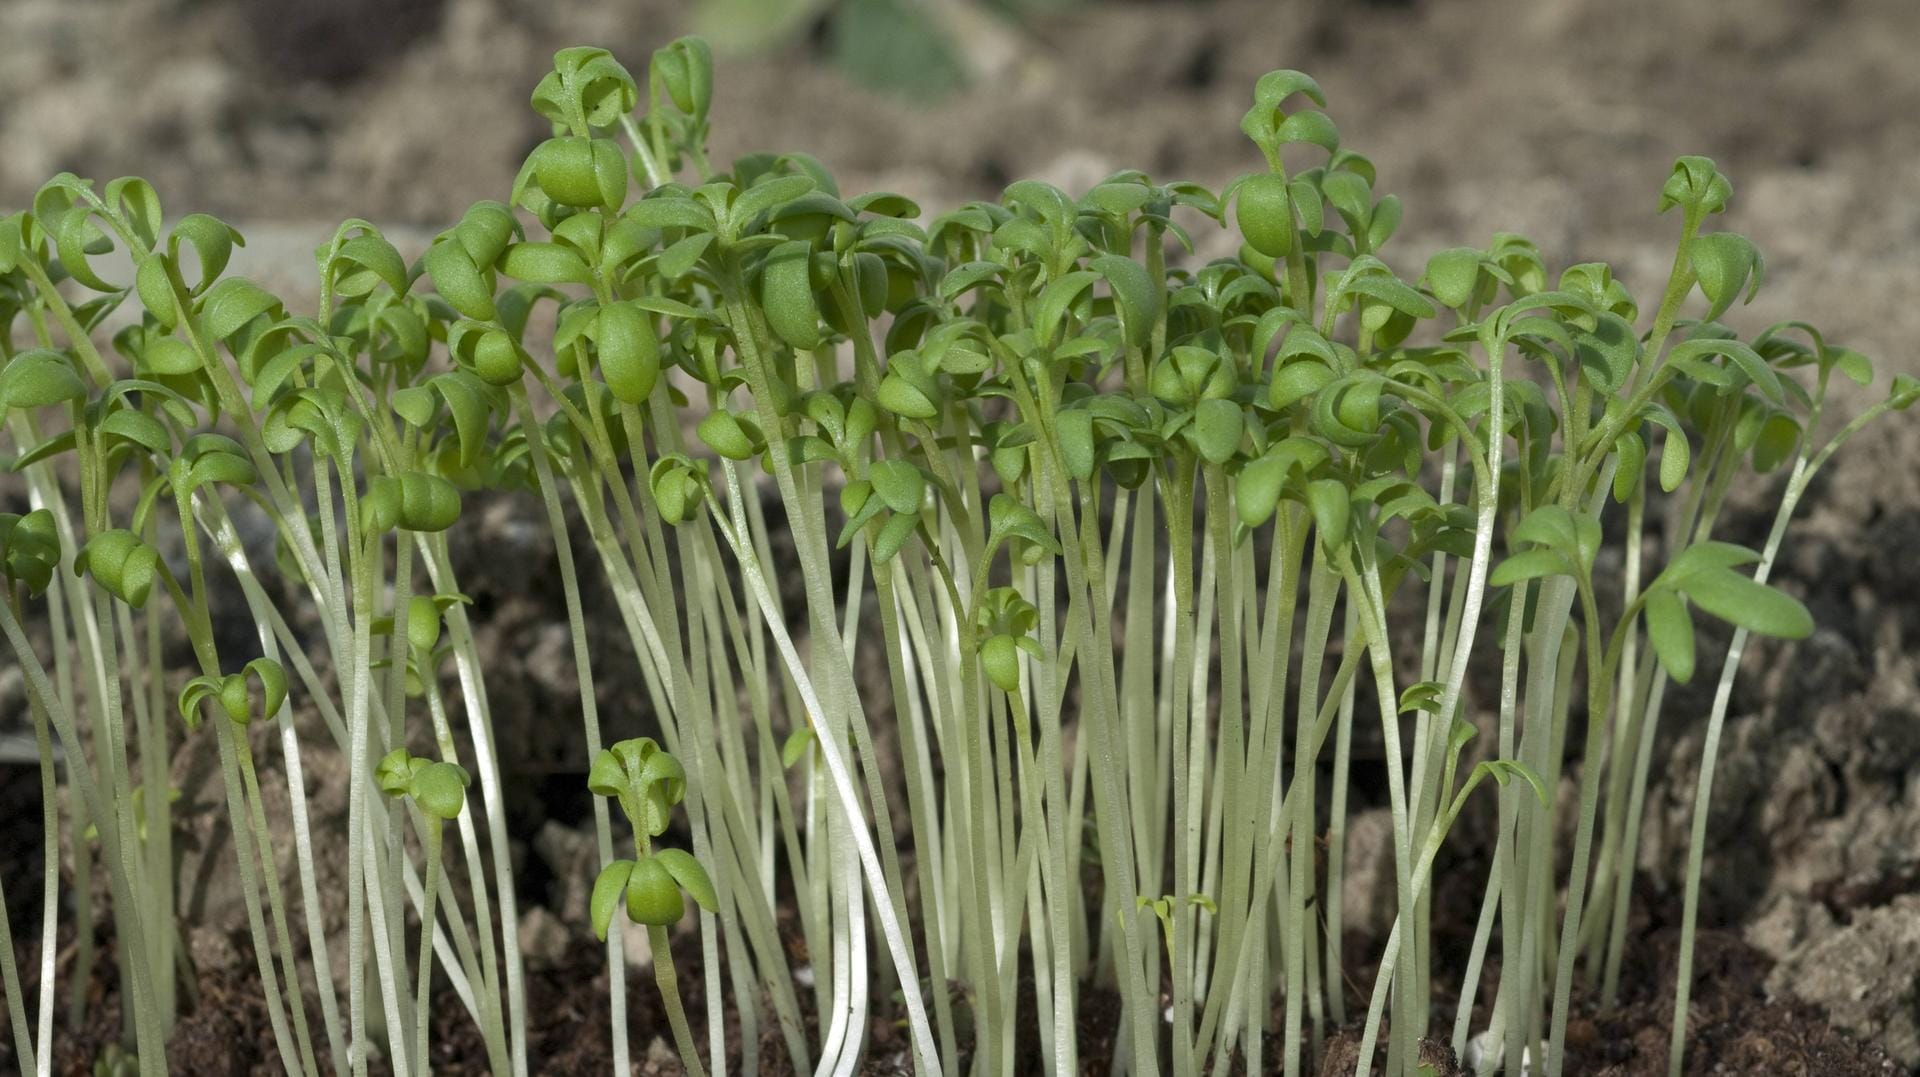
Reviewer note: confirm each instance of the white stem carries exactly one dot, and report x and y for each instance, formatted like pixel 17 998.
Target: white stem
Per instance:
pixel 927 1057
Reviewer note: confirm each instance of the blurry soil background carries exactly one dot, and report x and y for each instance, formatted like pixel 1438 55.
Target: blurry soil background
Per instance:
pixel 1554 118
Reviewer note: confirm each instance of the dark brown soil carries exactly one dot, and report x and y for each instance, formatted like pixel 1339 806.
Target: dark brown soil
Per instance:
pixel 227 1033
pixel 1733 1027
pixel 1342 1053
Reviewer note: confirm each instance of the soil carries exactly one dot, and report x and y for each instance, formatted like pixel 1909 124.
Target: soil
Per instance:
pixel 1555 118
pixel 1733 1027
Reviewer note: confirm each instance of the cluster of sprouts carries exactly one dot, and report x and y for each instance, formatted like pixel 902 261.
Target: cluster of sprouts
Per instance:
pixel 1145 546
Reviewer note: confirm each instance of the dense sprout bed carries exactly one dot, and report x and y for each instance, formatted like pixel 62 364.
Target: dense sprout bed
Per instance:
pixel 1132 533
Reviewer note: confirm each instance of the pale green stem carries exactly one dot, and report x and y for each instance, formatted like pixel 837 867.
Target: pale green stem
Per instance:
pixel 423 994
pixel 1803 471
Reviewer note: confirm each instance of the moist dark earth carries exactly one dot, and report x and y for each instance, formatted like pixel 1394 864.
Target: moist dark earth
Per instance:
pixel 1554 118
pixel 1734 1027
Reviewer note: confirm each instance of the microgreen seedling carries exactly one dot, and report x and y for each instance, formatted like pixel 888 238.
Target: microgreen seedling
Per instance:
pixel 648 783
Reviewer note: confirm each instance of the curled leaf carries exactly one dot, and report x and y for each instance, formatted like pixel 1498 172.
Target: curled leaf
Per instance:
pixel 459 279
pixel 121 563
pixel 629 352
pixel 1670 630
pixel 691 876
pixel 786 295
pixel 653 897
pixel 37 378
pixel 609 887
pixel 29 548
pixel 440 789
pixel 1264 211
pixel 1001 659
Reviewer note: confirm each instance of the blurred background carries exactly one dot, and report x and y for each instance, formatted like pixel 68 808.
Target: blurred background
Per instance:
pixel 1556 118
